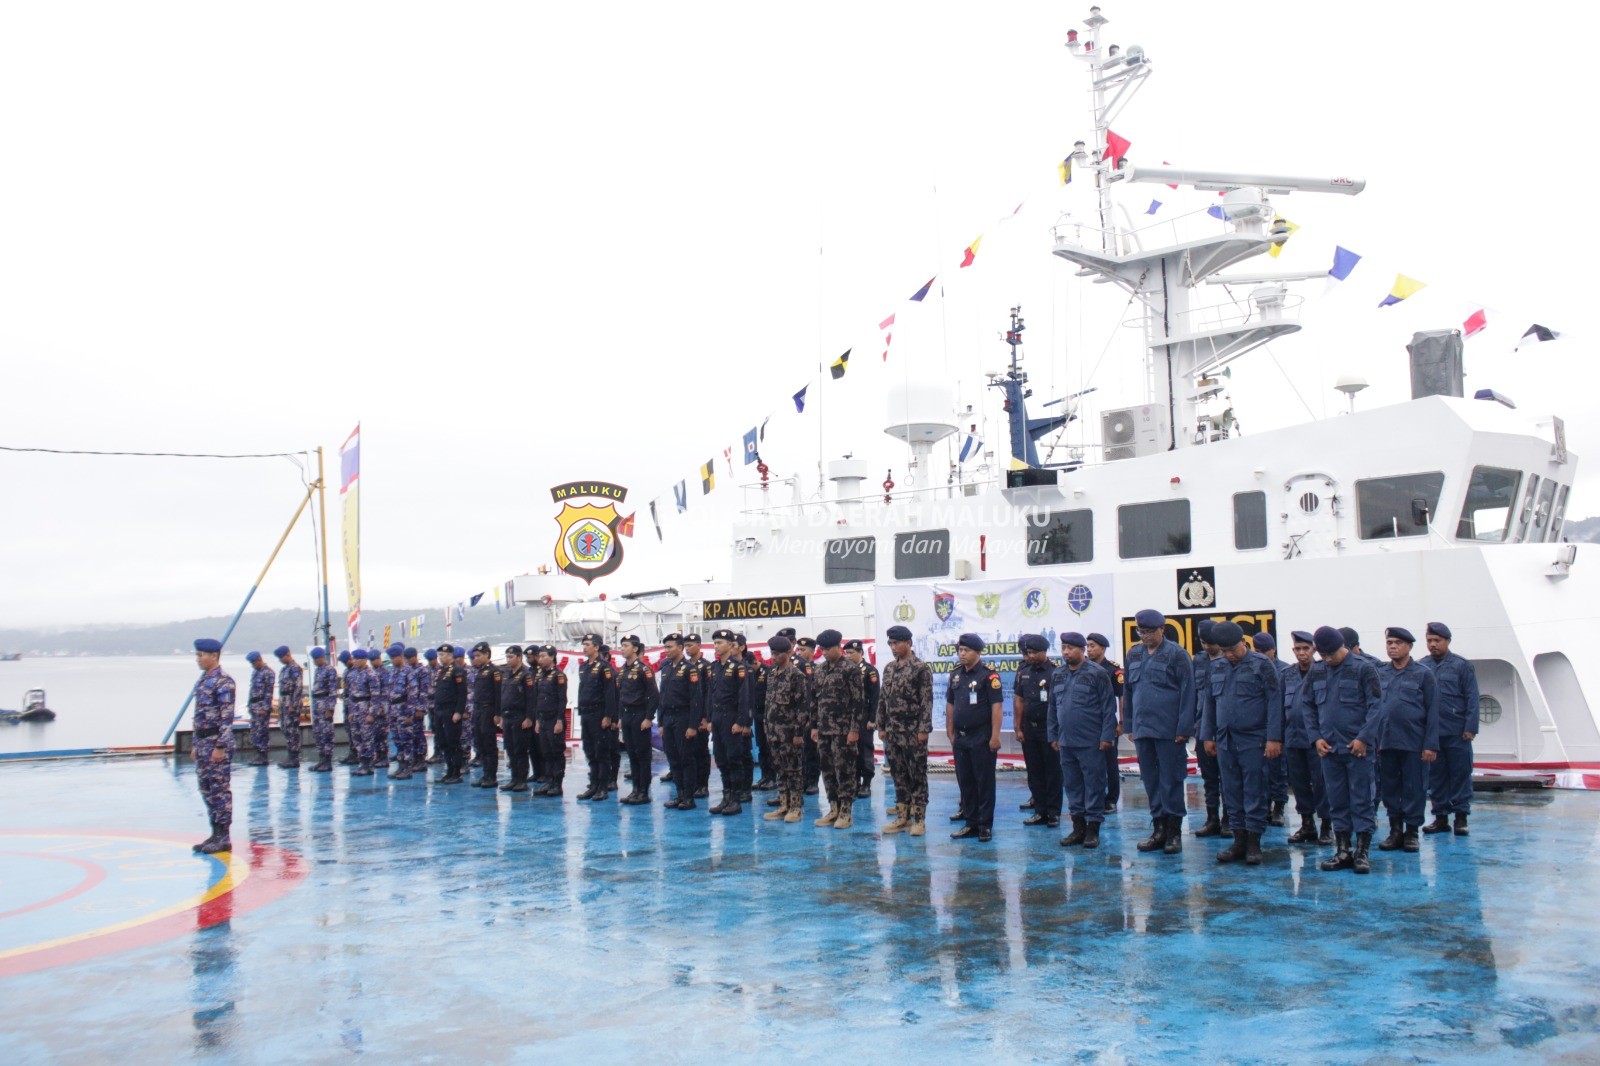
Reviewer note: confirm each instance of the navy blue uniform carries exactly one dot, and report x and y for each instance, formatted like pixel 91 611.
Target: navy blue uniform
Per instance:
pixel 969 708
pixel 1158 709
pixel 1244 716
pixel 1342 707
pixel 1080 715
pixel 1031 708
pixel 549 685
pixel 701 743
pixel 1207 687
pixel 450 714
pixel 1113 766
pixel 637 699
pixel 597 712
pixel 755 697
pixel 729 706
pixel 485 706
pixel 1278 769
pixel 513 711
pixel 680 712
pixel 1450 776
pixel 1409 725
pixel 1300 747
pixel 866 762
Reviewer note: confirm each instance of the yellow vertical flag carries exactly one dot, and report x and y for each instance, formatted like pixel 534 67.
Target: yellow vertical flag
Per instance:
pixel 1282 230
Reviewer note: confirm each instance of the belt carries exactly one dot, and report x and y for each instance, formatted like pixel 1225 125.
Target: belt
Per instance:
pixel 357 699
pixel 396 699
pixel 211 732
pixel 320 695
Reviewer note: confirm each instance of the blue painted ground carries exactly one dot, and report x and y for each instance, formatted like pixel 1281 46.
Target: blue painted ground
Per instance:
pixel 448 924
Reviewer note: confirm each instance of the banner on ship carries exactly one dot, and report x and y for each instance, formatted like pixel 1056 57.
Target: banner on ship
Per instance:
pixel 1001 612
pixel 350 502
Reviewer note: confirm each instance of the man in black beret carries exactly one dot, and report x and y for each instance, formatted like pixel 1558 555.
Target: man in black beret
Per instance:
pixel 1408 739
pixel 1450 776
pixel 866 763
pixel 840 717
pixel 905 719
pixel 1030 721
pixel 972 725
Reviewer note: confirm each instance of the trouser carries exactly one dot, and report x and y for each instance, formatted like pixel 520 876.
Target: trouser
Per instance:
pixel 1305 778
pixel 469 734
pixel 380 730
pixel 616 748
pixel 975 774
pixel 1450 775
pixel 812 765
pixel 488 748
pixel 289 722
pixel 839 776
pixel 362 726
pixel 701 746
pixel 637 742
pixel 1163 767
pixel 519 742
pixel 1210 776
pixel 1278 780
pixel 434 728
pixel 553 750
pixel 733 753
pixel 763 756
pixel 1244 780
pixel 1113 776
pixel 214 777
pixel 418 755
pixel 908 766
pixel 535 753
pixel 260 729
pixel 789 760
pixel 447 740
pixel 322 727
pixel 1082 772
pixel 866 763
pixel 1348 784
pixel 400 730
pixel 1405 793
pixel 680 754
pixel 596 748
pixel 1045 767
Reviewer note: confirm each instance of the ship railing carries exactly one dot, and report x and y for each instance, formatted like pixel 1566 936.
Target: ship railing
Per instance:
pixel 1131 239
pixel 1243 311
pixel 759 502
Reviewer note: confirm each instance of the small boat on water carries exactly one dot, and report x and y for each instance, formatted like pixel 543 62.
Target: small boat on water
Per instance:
pixel 10 656
pixel 33 709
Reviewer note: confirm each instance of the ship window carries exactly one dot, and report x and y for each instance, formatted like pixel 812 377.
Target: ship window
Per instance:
pixel 1149 529
pixel 1559 518
pixel 1401 506
pixel 850 559
pixel 1527 508
pixel 1249 520
pixel 1061 537
pixel 1491 502
pixel 1541 510
pixel 922 554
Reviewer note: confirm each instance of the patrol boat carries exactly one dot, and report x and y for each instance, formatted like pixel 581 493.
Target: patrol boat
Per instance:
pixel 1325 522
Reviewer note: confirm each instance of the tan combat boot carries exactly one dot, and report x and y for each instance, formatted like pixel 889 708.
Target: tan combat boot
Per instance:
pixel 778 812
pixel 844 821
pixel 900 820
pixel 918 826
pixel 794 815
pixel 831 817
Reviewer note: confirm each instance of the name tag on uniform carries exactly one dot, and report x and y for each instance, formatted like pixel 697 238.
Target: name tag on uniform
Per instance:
pixel 1044 692
pixel 972 696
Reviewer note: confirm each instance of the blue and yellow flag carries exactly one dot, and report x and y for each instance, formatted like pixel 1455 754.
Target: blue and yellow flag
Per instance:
pixel 1403 287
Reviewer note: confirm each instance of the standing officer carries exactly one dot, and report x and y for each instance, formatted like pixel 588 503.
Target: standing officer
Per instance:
pixel 905 719
pixel 597 711
pixel 726 709
pixel 431 662
pixel 1081 725
pixel 419 697
pixel 1207 685
pixel 449 711
pixel 866 763
pixel 788 724
pixel 1158 711
pixel 680 721
pixel 700 743
pixel 637 700
pixel 550 710
pixel 291 694
pixel 1030 721
pixel 756 694
pixel 485 714
pixel 1097 645
pixel 1408 739
pixel 1277 769
pixel 214 697
pixel 383 697
pixel 1243 724
pixel 469 726
pixel 972 725
pixel 260 707
pixel 349 719
pixel 360 710
pixel 324 693
pixel 516 718
pixel 1450 776
pixel 1300 750
pixel 1342 711
pixel 805 656
pixel 402 709
pixel 837 727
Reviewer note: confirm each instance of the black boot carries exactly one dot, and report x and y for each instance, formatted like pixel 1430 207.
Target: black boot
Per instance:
pixel 1396 834
pixel 1080 830
pixel 259 760
pixel 1036 819
pixel 289 764
pixel 1157 838
pixel 217 844
pixel 1342 858
pixel 1235 851
pixel 721 803
pixel 1409 842
pixel 348 760
pixel 1213 827
pixel 1225 825
pixel 1252 849
pixel 1174 843
pixel 730 806
pixel 1440 824
pixel 1275 813
pixel 1360 862
pixel 1461 826
pixel 588 793
pixel 1307 833
pixel 322 767
pixel 1326 837
pixel 208 839
pixel 1091 837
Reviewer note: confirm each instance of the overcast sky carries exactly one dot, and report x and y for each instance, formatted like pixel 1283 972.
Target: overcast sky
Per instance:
pixel 523 243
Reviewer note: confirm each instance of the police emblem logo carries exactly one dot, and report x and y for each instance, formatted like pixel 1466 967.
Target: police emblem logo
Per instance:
pixel 1035 603
pixel 904 612
pixel 1197 587
pixel 988 604
pixel 944 606
pixel 587 545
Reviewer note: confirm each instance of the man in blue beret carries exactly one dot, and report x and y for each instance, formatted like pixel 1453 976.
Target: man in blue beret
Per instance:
pixel 1342 711
pixel 1097 645
pixel 346 658
pixel 469 723
pixel 1243 727
pixel 214 699
pixel 1207 686
pixel 324 694
pixel 1081 717
pixel 1300 750
pixel 972 725
pixel 383 685
pixel 362 709
pixel 291 696
pixel 1407 740
pixel 1030 720
pixel 1450 776
pixel 259 706
pixel 1158 711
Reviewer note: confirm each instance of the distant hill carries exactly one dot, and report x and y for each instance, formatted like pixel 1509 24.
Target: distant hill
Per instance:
pixel 264 630
pixel 1582 530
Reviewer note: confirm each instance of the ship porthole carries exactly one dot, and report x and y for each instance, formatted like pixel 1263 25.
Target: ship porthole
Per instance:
pixel 1309 502
pixel 1488 710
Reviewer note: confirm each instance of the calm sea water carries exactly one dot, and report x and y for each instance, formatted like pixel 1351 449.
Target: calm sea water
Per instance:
pixel 103 701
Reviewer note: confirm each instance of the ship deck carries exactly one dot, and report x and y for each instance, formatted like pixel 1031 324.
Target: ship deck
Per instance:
pixel 437 923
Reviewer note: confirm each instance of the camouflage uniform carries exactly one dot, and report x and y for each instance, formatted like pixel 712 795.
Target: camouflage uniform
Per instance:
pixel 382 682
pixel 468 728
pixel 259 706
pixel 421 702
pixel 213 730
pixel 789 718
pixel 402 709
pixel 291 694
pixel 324 691
pixel 841 710
pixel 363 691
pixel 905 709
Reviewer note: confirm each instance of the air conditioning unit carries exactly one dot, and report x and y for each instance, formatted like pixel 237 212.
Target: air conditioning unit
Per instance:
pixel 1131 432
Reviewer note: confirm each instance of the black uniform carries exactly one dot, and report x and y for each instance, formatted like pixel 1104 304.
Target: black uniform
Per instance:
pixel 1032 688
pixel 727 707
pixel 680 711
pixel 637 699
pixel 550 710
pixel 485 705
pixel 701 743
pixel 514 710
pixel 969 703
pixel 597 704
pixel 755 695
pixel 450 701
pixel 1113 767
pixel 866 765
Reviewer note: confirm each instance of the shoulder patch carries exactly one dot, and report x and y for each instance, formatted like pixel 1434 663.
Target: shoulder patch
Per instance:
pixel 694 677
pixel 994 680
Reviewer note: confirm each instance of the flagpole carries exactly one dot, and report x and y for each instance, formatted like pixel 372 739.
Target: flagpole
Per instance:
pixel 322 509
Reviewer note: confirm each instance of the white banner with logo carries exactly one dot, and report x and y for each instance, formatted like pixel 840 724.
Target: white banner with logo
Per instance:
pixel 1001 612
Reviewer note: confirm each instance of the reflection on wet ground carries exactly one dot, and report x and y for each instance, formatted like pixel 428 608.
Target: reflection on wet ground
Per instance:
pixel 454 923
